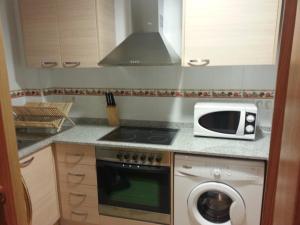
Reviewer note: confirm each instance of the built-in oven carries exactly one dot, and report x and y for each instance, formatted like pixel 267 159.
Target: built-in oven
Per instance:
pixel 134 184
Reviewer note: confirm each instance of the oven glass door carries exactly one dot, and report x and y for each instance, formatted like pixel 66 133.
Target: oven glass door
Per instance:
pixel 134 186
pixel 226 122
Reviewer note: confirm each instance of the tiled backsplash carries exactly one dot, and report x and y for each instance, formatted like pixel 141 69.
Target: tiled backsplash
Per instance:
pixel 152 104
pixel 186 93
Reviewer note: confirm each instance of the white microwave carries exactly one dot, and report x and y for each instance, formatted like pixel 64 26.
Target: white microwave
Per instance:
pixel 225 120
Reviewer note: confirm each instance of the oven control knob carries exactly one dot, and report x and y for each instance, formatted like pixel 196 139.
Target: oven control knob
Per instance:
pixel 249 129
pixel 250 118
pixel 151 158
pixel 135 157
pixel 126 156
pixel 120 156
pixel 158 159
pixel 143 158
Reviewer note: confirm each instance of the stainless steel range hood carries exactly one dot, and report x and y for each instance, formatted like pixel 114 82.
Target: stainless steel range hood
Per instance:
pixel 146 44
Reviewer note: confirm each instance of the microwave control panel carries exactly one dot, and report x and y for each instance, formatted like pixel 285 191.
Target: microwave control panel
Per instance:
pixel 250 123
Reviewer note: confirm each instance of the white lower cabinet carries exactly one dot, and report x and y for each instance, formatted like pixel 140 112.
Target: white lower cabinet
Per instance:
pixel 38 171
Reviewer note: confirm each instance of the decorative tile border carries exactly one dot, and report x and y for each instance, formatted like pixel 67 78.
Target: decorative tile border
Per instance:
pixel 185 93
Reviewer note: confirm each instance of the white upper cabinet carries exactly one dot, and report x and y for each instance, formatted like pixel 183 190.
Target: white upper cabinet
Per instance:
pixel 230 32
pixel 40 33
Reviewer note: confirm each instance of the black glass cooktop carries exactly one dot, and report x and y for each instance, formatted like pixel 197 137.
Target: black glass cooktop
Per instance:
pixel 160 136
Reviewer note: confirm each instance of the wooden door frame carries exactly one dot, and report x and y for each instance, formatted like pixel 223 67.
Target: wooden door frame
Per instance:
pixel 287 34
pixel 10 175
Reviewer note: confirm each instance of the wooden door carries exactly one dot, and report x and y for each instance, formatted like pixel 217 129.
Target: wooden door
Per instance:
pixel 282 194
pixel 78 33
pixel 39 174
pixel 40 33
pixel 12 203
pixel 230 32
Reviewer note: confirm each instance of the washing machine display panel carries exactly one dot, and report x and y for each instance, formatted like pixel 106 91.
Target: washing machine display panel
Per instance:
pixel 214 206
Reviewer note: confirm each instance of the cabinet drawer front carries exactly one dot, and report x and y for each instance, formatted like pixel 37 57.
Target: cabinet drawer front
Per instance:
pixel 77 175
pixel 79 196
pixel 75 154
pixel 81 214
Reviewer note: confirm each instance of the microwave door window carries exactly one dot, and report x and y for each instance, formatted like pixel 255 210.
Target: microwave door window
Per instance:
pixel 226 122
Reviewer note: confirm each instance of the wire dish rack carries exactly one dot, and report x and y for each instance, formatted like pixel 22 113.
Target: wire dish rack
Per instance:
pixel 42 115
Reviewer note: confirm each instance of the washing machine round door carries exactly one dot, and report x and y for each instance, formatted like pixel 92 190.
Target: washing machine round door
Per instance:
pixel 216 203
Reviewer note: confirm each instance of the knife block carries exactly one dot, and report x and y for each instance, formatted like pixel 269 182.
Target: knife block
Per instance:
pixel 112 116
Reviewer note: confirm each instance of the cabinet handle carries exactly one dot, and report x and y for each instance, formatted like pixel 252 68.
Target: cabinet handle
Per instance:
pixel 27 162
pixel 78 195
pixel 71 64
pixel 187 167
pixel 48 64
pixel 79 157
pixel 27 202
pixel 195 62
pixel 76 174
pixel 76 154
pixel 79 213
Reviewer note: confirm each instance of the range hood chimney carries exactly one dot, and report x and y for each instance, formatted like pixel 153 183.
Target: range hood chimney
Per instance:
pixel 146 45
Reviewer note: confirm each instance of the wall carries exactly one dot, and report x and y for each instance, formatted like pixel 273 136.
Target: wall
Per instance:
pixel 174 109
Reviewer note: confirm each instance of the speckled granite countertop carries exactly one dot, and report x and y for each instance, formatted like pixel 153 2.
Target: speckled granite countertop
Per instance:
pixel 184 142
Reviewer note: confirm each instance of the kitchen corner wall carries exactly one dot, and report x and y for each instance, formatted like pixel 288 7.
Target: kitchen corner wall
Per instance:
pixel 174 109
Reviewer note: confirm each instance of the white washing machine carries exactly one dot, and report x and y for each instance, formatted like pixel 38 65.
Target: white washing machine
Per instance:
pixel 217 191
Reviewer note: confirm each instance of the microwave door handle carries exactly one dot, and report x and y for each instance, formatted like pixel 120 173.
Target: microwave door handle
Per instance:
pixel 241 127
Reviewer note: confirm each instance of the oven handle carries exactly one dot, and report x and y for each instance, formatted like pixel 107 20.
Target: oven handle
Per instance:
pixel 136 167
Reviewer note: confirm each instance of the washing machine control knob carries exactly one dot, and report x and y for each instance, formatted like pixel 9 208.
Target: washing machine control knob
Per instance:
pixel 217 173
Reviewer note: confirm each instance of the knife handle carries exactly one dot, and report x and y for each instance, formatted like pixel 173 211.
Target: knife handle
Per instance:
pixel 107 99
pixel 113 102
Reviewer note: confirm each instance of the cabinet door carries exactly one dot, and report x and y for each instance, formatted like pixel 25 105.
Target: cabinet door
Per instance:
pixel 106 26
pixel 230 32
pixel 78 33
pixel 40 33
pixel 39 174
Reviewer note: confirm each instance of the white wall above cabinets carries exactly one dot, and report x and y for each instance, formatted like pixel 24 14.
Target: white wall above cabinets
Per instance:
pixel 66 33
pixel 230 32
